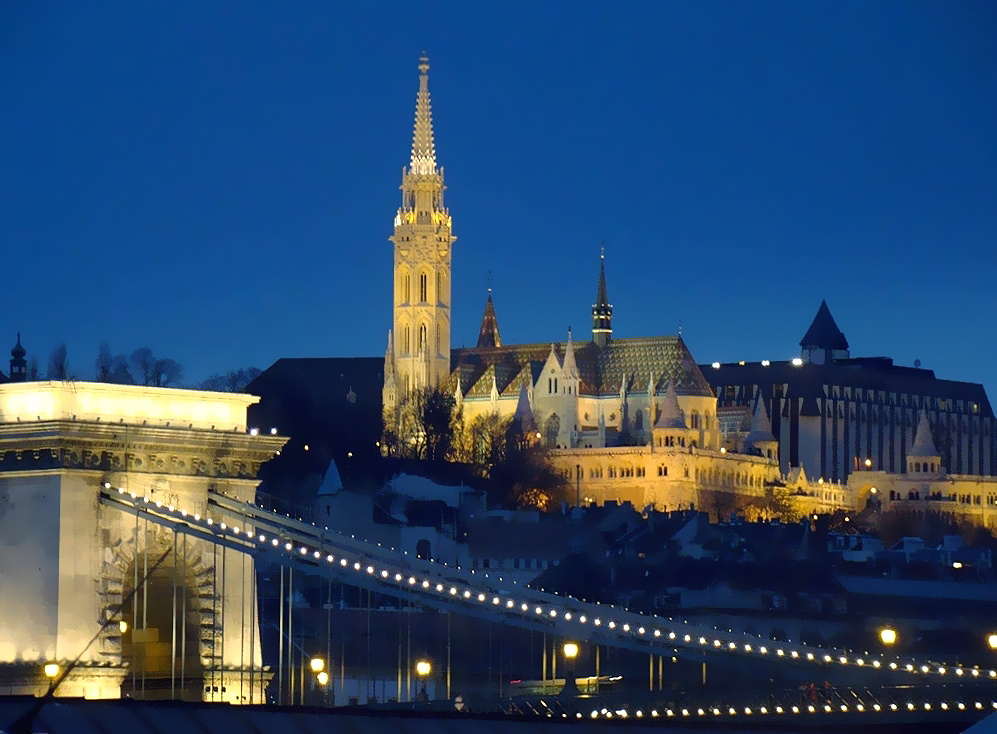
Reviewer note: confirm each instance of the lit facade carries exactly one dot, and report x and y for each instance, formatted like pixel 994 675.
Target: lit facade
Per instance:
pixel 636 419
pixel 69 563
pixel 834 414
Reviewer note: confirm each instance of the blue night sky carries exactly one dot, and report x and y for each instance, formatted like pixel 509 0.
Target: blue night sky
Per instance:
pixel 217 180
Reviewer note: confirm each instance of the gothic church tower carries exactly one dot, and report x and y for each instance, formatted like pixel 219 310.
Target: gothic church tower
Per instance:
pixel 418 354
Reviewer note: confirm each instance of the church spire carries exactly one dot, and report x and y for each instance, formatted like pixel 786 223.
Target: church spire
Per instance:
pixel 602 310
pixel 488 334
pixel 422 241
pixel 423 148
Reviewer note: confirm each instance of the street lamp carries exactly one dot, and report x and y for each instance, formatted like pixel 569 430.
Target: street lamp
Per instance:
pixel 123 626
pixel 322 678
pixel 317 665
pixel 422 669
pixel 992 641
pixel 570 650
pixel 888 636
pixel 51 672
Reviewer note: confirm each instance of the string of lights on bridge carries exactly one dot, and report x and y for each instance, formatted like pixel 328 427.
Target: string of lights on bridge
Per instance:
pixel 654 634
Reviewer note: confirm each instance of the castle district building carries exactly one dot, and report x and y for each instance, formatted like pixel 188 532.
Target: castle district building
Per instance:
pixel 636 419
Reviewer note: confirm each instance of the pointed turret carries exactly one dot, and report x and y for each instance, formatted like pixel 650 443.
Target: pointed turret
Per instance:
pixel 824 342
pixel 488 334
pixel 923 456
pixel 18 364
pixel 523 421
pixel 760 435
pixel 671 413
pixel 924 444
pixel 389 359
pixel 423 147
pixel 602 310
pixel 570 366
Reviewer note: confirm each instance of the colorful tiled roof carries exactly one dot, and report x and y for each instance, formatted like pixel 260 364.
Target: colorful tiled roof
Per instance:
pixel 631 363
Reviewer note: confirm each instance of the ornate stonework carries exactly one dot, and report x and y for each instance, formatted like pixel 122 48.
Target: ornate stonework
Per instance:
pixel 69 560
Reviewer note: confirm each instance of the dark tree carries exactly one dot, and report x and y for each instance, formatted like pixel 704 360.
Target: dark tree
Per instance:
pixel 232 381
pixel 112 368
pixel 147 369
pixel 58 364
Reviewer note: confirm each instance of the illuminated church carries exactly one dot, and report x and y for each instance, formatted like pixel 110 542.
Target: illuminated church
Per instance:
pixel 636 419
pixel 583 396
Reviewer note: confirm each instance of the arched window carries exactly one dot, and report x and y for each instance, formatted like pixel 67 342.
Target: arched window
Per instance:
pixel 551 428
pixel 422 337
pixel 440 289
pixel 407 340
pixel 439 341
pixel 639 421
pixel 423 288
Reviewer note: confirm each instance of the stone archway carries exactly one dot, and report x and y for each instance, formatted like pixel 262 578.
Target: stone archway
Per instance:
pixel 158 663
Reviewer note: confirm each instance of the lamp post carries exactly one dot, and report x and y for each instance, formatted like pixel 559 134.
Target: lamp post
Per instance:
pixel 570 650
pixel 51 672
pixel 422 669
pixel 992 640
pixel 888 636
pixel 317 666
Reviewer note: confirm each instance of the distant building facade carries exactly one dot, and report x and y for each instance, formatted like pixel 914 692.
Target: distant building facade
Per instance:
pixel 834 414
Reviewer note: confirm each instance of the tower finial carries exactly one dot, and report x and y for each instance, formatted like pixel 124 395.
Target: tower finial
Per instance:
pixel 489 282
pixel 423 147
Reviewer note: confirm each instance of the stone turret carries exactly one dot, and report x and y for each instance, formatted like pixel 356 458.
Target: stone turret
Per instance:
pixel 824 342
pixel 18 364
pixel 923 457
pixel 760 439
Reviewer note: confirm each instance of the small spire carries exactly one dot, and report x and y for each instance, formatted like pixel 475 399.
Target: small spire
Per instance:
pixel 423 147
pixel 761 426
pixel 671 415
pixel 924 444
pixel 569 365
pixel 602 310
pixel 488 334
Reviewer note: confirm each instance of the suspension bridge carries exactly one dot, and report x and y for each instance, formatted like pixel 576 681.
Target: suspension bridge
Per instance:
pixel 149 540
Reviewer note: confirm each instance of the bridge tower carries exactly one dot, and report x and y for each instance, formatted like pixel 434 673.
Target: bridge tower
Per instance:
pixel 69 564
